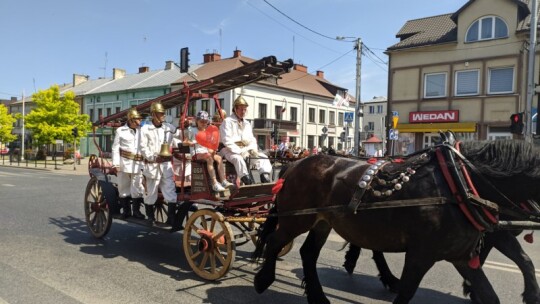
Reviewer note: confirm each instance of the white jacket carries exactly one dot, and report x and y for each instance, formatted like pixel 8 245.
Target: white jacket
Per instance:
pixel 233 131
pixel 126 139
pixel 151 139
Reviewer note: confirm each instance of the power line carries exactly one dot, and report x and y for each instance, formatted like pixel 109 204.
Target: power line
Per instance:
pixel 307 28
pixel 286 27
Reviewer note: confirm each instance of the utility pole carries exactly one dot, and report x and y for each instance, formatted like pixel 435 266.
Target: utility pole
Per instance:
pixel 23 135
pixel 359 111
pixel 530 73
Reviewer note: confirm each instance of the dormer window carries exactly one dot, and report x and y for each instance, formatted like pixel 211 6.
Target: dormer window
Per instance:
pixel 487 28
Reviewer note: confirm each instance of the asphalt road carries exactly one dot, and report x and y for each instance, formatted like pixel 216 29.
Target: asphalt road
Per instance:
pixel 48 256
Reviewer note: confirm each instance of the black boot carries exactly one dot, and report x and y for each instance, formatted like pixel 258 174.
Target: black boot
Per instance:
pixel 180 216
pixel 265 178
pixel 149 210
pixel 136 205
pixel 246 179
pixel 171 213
pixel 126 207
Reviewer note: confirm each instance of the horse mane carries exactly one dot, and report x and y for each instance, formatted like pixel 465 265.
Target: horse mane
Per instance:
pixel 503 158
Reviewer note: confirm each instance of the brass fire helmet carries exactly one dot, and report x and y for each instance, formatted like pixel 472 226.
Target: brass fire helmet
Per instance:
pixel 157 107
pixel 133 114
pixel 240 101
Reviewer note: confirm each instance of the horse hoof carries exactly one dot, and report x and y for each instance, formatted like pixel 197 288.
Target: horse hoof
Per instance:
pixel 261 284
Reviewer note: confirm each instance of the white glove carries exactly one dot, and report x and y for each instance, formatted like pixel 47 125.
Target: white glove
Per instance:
pixel 253 153
pixel 244 153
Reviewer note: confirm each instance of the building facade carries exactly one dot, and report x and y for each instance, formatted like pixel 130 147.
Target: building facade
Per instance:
pixel 463 71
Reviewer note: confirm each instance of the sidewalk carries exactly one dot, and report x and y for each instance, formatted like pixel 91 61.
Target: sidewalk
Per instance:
pixel 61 167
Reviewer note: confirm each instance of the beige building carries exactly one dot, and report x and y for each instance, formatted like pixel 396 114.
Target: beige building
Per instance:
pixel 463 71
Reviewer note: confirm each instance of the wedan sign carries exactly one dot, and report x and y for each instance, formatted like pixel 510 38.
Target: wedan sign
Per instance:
pixel 434 116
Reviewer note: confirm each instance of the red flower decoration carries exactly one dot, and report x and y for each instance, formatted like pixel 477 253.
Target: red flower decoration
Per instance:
pixel 529 237
pixel 474 262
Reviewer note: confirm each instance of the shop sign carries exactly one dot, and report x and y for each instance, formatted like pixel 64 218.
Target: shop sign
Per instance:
pixel 434 116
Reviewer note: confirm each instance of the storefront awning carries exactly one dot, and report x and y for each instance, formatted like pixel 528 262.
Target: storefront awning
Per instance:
pixel 436 127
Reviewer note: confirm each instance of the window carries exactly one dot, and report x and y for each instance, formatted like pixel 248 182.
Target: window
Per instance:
pixel 371 126
pixel 220 100
pixel 310 141
pixel 91 114
pixel 192 109
pixel 311 115
pixel 332 117
pixel 322 116
pixel 340 119
pixel 501 80
pixel 294 114
pixel 204 105
pixel 117 110
pixel 108 111
pixel 279 113
pixel 435 85
pixel 371 110
pixel 100 113
pixel 467 82
pixel 262 110
pixel 487 28
pixel 379 109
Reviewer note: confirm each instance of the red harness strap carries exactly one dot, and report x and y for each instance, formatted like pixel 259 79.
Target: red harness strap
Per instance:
pixel 488 214
pixel 455 192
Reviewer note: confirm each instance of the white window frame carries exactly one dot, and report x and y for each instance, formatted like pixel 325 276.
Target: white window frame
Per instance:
pixel 426 76
pixel 457 82
pixel 493 29
pixel 489 81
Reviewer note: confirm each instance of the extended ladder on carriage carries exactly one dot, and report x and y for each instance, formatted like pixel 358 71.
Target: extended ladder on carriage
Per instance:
pixel 222 220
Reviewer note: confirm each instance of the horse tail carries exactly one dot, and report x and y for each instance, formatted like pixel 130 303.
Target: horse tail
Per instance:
pixel 268 227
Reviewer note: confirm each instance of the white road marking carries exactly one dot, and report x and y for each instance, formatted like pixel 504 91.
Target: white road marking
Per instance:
pixel 7 185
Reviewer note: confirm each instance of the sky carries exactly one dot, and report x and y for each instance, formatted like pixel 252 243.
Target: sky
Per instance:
pixel 46 42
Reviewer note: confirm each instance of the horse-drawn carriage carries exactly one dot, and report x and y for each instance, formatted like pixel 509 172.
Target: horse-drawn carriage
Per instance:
pixel 223 220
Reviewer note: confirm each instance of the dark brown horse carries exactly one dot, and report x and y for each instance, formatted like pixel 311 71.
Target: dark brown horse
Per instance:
pixel 426 232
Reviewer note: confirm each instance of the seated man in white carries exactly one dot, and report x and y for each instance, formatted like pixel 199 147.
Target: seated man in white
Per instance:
pixel 237 137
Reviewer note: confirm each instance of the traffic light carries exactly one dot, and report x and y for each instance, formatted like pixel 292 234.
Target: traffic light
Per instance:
pixel 184 60
pixel 516 123
pixel 75 132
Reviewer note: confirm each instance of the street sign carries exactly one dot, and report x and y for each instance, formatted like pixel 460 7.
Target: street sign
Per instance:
pixel 324 129
pixel 393 134
pixel 395 119
pixel 348 117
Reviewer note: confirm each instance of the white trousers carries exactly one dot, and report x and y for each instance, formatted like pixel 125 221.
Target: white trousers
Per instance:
pixel 165 182
pixel 130 184
pixel 262 163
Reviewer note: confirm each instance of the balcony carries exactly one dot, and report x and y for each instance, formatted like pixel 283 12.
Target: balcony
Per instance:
pixel 267 124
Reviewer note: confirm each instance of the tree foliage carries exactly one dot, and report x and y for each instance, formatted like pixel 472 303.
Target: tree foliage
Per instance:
pixel 6 125
pixel 55 116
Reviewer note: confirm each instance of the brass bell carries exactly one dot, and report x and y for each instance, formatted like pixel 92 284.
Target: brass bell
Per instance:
pixel 165 150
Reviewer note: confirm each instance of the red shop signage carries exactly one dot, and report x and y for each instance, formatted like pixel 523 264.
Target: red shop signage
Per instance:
pixel 434 116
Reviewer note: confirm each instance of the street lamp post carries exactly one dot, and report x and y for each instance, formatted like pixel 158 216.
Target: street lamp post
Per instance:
pixel 358 109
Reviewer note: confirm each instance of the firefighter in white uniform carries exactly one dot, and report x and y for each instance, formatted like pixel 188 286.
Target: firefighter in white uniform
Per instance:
pixel 127 159
pixel 237 137
pixel 158 169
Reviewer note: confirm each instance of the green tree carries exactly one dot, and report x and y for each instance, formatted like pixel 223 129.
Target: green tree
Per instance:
pixel 55 116
pixel 6 125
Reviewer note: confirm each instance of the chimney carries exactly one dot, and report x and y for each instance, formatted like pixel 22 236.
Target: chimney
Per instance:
pixel 237 53
pixel 118 73
pixel 143 69
pixel 169 64
pixel 300 67
pixel 320 74
pixel 211 57
pixel 78 79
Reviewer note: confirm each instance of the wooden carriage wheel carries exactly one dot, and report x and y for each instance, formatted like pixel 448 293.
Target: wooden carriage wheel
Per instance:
pixel 160 211
pixel 249 230
pixel 93 162
pixel 209 244
pixel 96 209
